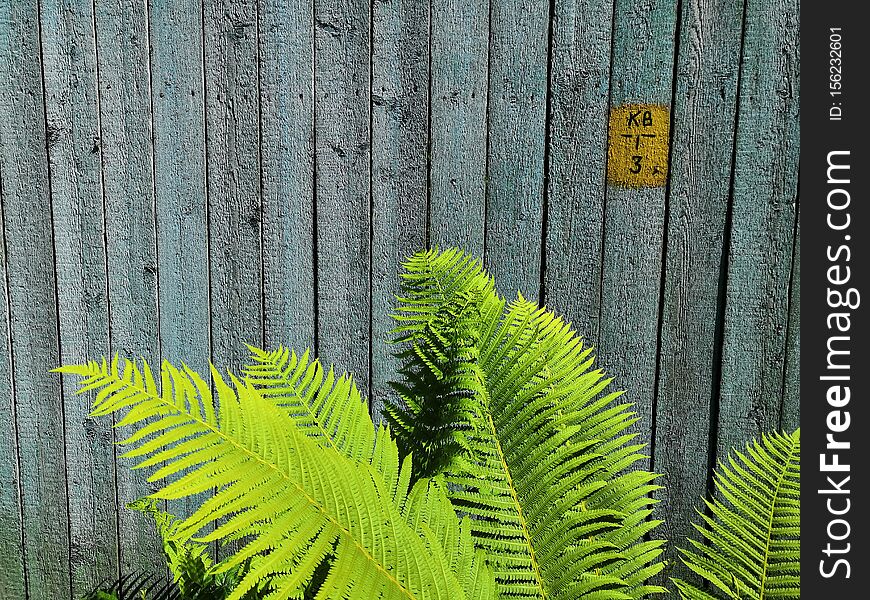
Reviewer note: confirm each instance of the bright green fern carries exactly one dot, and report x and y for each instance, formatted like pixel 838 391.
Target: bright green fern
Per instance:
pixel 751 537
pixel 503 400
pixel 514 473
pixel 290 498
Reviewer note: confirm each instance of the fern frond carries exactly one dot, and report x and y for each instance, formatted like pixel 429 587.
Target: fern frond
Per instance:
pixel 332 412
pixel 750 540
pixel 294 499
pixel 503 399
pixel 327 408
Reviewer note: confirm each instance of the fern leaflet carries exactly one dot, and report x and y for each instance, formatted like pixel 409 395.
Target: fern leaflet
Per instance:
pixel 751 538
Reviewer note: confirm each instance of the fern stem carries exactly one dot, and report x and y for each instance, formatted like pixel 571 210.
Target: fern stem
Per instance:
pixel 517 505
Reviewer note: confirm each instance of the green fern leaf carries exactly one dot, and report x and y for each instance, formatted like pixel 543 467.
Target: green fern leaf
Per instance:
pixel 327 408
pixel 293 499
pixel 331 411
pixel 750 546
pixel 503 399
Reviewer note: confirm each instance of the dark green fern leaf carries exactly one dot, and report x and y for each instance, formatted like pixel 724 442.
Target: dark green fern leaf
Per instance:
pixel 136 586
pixel 750 540
pixel 504 400
pixel 292 500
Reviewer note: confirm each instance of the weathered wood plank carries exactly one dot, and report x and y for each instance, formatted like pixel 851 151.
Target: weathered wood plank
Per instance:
pixel 641 72
pixel 458 104
pixel 400 116
pixel 233 167
pixel 126 132
pixel 177 96
pixel 762 227
pixel 12 578
pixel 72 112
pixel 235 213
pixel 287 149
pixel 790 413
pixel 580 94
pixel 343 167
pixel 516 125
pixel 689 360
pixel 33 326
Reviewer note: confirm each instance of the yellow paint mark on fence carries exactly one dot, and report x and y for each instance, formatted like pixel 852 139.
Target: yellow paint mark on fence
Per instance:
pixel 637 145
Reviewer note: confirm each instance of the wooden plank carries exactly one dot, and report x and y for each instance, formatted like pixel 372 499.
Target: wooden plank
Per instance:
pixel 233 167
pixel 12 577
pixel 703 145
pixel 400 116
pixel 287 148
pixel 580 94
pixel 762 227
pixel 458 96
pixel 235 212
pixel 180 186
pixel 790 413
pixel 126 131
pixel 33 326
pixel 515 163
pixel 72 111
pixel 641 72
pixel 343 165
pixel 178 100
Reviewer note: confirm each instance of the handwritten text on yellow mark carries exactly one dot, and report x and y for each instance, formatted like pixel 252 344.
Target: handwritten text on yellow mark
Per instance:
pixel 637 149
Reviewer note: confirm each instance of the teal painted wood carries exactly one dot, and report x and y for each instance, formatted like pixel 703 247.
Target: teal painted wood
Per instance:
pixel 634 222
pixel 233 168
pixel 703 145
pixel 790 411
pixel 127 152
pixel 516 124
pixel 178 99
pixel 12 578
pixel 580 94
pixel 287 149
pixel 343 168
pixel 459 43
pixel 72 113
pixel 234 90
pixel 400 115
pixel 33 326
pixel 762 225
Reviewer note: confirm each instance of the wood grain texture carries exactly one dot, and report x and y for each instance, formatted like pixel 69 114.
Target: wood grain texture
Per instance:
pixel 790 411
pixel 580 93
pixel 233 168
pixel 178 100
pixel 634 218
pixel 695 270
pixel 762 224
pixel 287 150
pixel 131 250
pixel 400 75
pixel 12 577
pixel 459 48
pixel 518 35
pixel 343 168
pixel 33 326
pixel 72 113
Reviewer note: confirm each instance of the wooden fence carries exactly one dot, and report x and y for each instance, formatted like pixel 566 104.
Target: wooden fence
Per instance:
pixel 179 177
